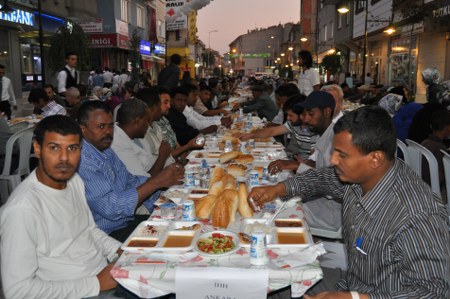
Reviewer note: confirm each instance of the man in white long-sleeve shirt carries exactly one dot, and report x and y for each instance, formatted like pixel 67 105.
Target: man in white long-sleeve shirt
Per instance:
pixel 50 244
pixel 197 120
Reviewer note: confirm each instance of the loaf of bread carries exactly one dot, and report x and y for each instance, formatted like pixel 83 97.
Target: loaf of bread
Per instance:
pixel 216 175
pixel 231 196
pixel 216 189
pixel 244 159
pixel 204 206
pixel 226 157
pixel 244 207
pixel 221 213
pixel 229 182
pixel 234 140
pixel 237 170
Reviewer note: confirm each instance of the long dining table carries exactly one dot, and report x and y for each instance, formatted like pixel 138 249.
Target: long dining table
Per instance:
pixel 150 274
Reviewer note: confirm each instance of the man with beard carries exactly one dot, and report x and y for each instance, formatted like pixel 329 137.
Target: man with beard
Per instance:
pixel 113 193
pixel 50 245
pixel 303 140
pixel 395 230
pixel 322 112
pixel 160 137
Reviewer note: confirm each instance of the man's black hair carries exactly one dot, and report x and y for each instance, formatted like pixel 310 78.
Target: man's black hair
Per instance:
pixel 190 87
pixel 176 59
pixel 130 110
pixel 59 124
pixel 68 54
pixel 91 106
pixel 37 94
pixel 287 90
pixel 149 96
pixel 291 104
pixel 306 58
pixel 178 89
pixel 371 128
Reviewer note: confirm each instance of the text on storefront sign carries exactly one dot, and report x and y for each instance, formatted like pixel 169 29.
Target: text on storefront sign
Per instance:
pixel 18 16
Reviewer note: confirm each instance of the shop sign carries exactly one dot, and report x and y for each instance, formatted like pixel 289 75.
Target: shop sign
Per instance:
pixel 145 47
pixel 443 11
pixel 92 27
pixel 159 49
pixel 103 40
pixel 121 27
pixel 18 16
pixel 123 42
pixel 248 55
pixel 175 18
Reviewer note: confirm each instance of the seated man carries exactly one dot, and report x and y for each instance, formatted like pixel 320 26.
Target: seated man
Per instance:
pixel 74 100
pixel 261 104
pixel 113 193
pixel 440 127
pixel 395 230
pixel 178 121
pixel 203 104
pixel 50 245
pixel 39 98
pixel 196 119
pixel 282 94
pixel 159 142
pixel 302 141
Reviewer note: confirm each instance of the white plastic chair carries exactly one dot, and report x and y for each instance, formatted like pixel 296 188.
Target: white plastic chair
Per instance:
pixel 446 160
pixel 404 149
pixel 19 126
pixel 416 152
pixel 10 180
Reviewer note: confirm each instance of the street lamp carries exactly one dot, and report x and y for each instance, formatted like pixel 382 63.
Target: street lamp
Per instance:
pixel 209 46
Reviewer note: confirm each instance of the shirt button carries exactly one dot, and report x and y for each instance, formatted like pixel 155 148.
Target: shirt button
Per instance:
pixel 358 205
pixel 352 227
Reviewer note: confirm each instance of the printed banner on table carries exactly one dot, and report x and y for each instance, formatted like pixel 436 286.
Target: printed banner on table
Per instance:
pixel 215 282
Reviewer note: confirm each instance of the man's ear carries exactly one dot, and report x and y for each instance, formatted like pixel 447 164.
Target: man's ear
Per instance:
pixel 328 112
pixel 377 159
pixel 37 149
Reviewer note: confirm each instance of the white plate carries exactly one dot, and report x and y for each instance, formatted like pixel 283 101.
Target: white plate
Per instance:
pixel 171 231
pixel 209 156
pixel 223 232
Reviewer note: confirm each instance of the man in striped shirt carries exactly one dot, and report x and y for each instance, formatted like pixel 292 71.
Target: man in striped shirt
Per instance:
pixel 395 230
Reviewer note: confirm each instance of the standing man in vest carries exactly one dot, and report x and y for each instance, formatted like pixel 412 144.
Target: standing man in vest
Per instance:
pixel 68 76
pixel 7 97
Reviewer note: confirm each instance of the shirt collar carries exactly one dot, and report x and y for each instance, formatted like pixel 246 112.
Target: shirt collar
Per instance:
pixel 49 106
pixel 89 151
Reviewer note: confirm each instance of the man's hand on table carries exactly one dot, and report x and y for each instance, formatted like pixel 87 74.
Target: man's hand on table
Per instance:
pixel 105 279
pixel 335 295
pixel 244 136
pixel 226 122
pixel 192 144
pixel 280 165
pixel 261 195
pixel 169 176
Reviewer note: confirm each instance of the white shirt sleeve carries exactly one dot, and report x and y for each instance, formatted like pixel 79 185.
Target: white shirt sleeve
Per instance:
pixel 198 121
pixel 12 97
pixel 62 78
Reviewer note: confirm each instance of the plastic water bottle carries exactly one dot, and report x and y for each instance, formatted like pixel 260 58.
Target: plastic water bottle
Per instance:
pixel 204 175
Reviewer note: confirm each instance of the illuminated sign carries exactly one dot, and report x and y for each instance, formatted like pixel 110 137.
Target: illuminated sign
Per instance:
pixel 145 47
pixel 18 16
pixel 159 49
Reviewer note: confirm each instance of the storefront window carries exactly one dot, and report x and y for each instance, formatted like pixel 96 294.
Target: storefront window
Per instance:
pixel 402 68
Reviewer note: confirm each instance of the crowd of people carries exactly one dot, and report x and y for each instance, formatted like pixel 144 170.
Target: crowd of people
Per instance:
pixel 103 161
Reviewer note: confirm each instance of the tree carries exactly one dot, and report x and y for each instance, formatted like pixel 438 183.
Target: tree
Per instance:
pixel 69 38
pixel 332 63
pixel 135 44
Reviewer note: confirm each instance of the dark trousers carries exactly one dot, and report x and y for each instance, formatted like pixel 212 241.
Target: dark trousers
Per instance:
pixel 5 107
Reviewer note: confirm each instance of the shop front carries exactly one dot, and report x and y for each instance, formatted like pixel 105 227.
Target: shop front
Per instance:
pixel 109 50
